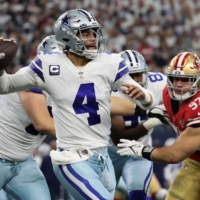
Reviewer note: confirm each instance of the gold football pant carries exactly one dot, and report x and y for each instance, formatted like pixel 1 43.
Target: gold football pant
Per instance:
pixel 186 185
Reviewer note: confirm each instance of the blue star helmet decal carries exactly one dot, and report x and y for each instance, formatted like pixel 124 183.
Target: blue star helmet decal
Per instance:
pixel 65 21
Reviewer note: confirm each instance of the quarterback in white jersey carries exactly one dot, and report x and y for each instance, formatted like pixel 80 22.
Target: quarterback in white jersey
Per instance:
pixel 136 173
pixel 80 81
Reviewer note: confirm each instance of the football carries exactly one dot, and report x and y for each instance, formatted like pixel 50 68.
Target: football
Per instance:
pixel 8 50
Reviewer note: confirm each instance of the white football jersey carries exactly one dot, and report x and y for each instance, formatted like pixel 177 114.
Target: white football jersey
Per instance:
pixel 156 82
pixel 18 137
pixel 81 95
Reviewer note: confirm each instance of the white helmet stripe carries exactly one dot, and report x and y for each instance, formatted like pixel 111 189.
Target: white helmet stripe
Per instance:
pixel 182 58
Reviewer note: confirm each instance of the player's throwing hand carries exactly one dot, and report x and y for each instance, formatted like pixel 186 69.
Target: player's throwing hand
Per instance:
pixel 134 92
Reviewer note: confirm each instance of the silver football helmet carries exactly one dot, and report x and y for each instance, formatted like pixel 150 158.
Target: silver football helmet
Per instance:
pixel 136 64
pixel 48 45
pixel 71 23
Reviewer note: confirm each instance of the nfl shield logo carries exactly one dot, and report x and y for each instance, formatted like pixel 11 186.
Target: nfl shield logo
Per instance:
pixel 80 74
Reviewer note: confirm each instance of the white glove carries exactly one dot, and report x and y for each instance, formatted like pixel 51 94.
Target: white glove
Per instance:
pixel 160 113
pixel 135 149
pixel 130 148
pixel 161 194
pixel 151 123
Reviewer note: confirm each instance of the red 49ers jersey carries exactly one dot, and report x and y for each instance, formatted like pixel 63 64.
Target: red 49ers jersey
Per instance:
pixel 187 115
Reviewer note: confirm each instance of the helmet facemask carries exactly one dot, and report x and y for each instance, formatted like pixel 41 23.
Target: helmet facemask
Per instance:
pixel 192 87
pixel 144 82
pixel 81 48
pixel 185 67
pixel 136 64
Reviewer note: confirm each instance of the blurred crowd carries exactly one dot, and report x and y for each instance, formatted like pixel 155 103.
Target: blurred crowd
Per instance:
pixel 159 29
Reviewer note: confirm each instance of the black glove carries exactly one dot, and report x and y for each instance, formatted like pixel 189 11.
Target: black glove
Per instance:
pixel 140 112
pixel 160 113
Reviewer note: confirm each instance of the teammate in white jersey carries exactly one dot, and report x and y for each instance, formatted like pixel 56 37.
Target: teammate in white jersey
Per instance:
pixel 136 172
pixel 48 45
pixel 80 81
pixel 24 119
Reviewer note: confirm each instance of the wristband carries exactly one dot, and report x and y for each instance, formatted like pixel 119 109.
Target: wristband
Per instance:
pixel 146 152
pixel 151 123
pixel 147 99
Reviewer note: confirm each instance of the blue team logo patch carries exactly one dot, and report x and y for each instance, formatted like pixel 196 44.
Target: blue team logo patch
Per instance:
pixel 54 70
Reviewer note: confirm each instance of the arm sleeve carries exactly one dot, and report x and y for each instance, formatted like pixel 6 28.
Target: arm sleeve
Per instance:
pixel 24 79
pixel 126 79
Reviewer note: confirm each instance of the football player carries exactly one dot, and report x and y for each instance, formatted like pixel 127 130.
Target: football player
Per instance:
pixel 79 82
pixel 181 98
pixel 48 45
pixel 136 172
pixel 24 123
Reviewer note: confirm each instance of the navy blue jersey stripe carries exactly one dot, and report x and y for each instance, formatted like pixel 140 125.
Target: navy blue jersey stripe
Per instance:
pixel 36 90
pixel 121 65
pixel 73 184
pixel 121 73
pixel 133 121
pixel 85 182
pixel 147 179
pixel 37 71
pixel 38 62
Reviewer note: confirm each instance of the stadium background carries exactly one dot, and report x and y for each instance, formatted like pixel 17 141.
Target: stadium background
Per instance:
pixel 158 29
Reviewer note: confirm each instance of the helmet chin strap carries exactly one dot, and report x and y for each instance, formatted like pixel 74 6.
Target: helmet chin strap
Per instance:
pixel 89 54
